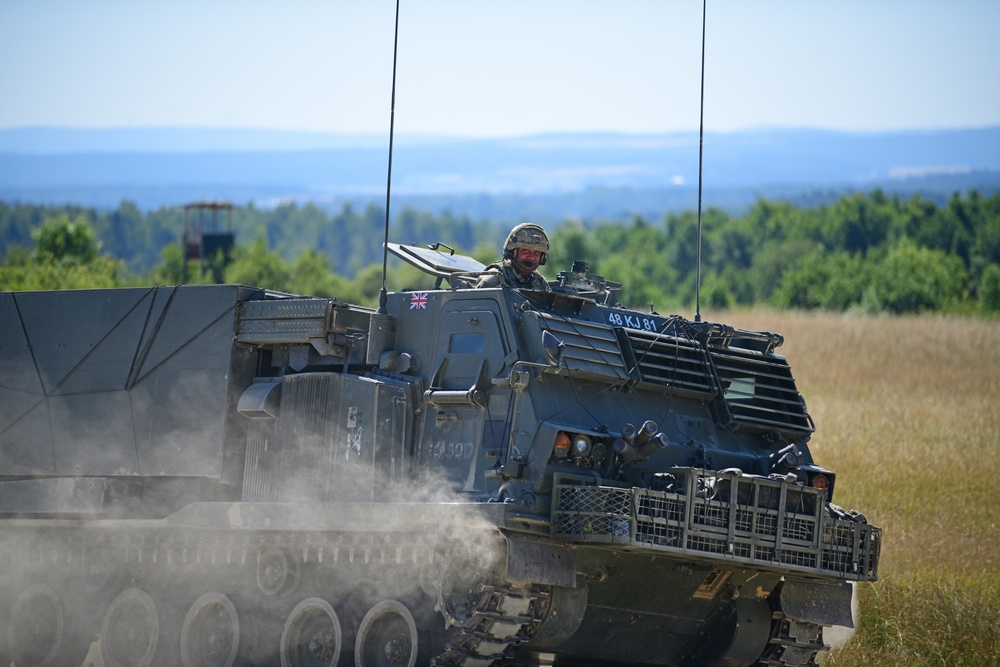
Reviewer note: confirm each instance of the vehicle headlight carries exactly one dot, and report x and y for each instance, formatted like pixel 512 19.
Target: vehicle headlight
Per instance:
pixel 581 445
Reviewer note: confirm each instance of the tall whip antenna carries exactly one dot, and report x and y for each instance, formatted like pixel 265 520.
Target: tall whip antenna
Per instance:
pixel 382 297
pixel 701 150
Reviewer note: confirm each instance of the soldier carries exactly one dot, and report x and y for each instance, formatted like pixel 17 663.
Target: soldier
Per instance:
pixel 526 248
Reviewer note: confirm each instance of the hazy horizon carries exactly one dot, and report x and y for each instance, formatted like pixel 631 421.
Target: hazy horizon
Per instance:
pixel 500 70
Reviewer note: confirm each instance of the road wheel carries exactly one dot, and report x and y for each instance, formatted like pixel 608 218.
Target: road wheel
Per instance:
pixel 131 630
pixel 35 629
pixel 312 636
pixel 210 635
pixel 276 572
pixel 387 637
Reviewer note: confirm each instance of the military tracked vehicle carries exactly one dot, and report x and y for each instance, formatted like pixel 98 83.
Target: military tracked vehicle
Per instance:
pixel 222 475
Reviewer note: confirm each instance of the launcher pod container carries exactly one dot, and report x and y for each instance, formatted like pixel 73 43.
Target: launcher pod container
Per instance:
pixel 222 475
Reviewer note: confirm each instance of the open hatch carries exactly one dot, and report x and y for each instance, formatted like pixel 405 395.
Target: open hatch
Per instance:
pixel 438 263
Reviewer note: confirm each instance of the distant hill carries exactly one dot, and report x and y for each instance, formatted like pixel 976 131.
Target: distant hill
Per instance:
pixel 544 177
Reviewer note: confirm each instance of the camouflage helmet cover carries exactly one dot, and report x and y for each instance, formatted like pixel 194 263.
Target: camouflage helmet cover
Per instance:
pixel 527 235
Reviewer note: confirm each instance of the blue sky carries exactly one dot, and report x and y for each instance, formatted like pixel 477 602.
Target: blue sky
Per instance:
pixel 499 68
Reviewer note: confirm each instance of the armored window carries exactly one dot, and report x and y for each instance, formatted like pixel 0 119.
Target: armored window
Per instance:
pixel 468 340
pixel 740 389
pixel 467 343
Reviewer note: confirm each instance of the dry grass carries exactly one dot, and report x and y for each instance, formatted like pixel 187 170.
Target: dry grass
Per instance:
pixel 907 414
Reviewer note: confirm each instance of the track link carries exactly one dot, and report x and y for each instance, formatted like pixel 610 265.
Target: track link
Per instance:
pixel 793 643
pixel 503 618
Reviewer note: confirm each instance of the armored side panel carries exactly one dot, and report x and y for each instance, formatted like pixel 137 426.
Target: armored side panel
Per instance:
pixel 460 341
pixel 123 383
pixel 329 437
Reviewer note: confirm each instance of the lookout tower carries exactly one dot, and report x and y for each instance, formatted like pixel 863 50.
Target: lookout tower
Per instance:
pixel 207 237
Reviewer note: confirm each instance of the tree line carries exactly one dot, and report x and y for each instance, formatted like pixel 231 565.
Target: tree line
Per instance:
pixel 866 251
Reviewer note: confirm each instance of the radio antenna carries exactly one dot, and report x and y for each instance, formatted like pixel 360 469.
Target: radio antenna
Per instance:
pixel 382 296
pixel 701 150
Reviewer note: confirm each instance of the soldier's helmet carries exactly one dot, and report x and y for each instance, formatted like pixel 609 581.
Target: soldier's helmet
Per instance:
pixel 527 235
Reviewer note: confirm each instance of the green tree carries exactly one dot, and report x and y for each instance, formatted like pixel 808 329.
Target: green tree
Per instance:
pixel 829 281
pixel 66 241
pixel 65 257
pixel 830 256
pixel 170 270
pixel 125 235
pixel 257 266
pixel 716 292
pixel 858 223
pixel 311 275
pixel 364 289
pixel 989 289
pixel 985 249
pixel 568 243
pixel 912 279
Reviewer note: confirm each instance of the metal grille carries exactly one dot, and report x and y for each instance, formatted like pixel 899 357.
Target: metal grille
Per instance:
pixel 588 348
pixel 738 520
pixel 257 481
pixel 670 361
pixel 799 529
pixel 593 513
pixel 760 390
pixel 710 514
pixel 669 507
pixel 742 550
pixel 704 544
pixel 799 558
pixel 283 321
pixel 658 534
pixel 851 548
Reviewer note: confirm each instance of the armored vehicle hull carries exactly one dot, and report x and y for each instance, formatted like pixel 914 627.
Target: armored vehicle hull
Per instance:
pixel 222 475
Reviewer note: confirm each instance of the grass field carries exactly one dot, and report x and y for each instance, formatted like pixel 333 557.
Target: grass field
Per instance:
pixel 907 414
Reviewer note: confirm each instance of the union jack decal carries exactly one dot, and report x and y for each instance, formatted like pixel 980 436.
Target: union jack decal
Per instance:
pixel 418 300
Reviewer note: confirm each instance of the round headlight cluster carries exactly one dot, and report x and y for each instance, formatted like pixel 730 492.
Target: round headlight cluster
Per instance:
pixel 581 445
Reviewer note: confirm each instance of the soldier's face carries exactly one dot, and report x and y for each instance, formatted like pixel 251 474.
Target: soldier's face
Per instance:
pixel 526 259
